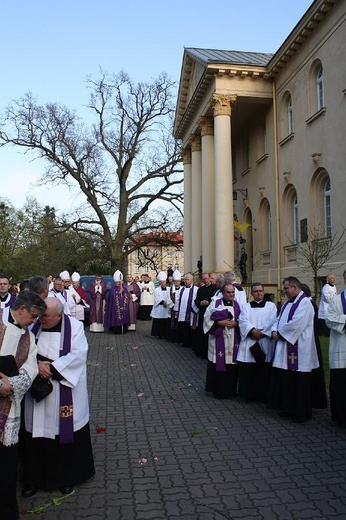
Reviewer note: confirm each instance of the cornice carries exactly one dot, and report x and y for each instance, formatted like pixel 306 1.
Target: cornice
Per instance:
pixel 302 31
pixel 186 109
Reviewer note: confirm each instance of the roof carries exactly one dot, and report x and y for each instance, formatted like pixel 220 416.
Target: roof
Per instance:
pixel 158 238
pixel 213 62
pixel 206 56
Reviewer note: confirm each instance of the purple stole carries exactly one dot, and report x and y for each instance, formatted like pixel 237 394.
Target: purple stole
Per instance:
pixel 219 339
pixel 189 302
pixel 10 301
pixel 36 327
pixel 292 350
pixel 343 301
pixel 66 402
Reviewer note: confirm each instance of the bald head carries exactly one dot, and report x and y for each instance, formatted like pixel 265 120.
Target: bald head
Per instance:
pixel 53 313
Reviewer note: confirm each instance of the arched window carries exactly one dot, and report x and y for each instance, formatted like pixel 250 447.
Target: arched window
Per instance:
pixel 321 202
pixel 320 88
pixel 327 209
pixel 295 220
pixel 266 226
pixel 290 220
pixel 289 114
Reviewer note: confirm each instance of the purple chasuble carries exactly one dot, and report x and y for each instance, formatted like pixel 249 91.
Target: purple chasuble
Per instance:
pixel 117 309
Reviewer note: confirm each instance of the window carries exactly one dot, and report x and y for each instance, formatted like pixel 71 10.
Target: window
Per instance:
pixel 290 115
pixel 295 220
pixel 316 92
pixel 136 268
pixel 290 224
pixel 266 226
pixel 304 230
pixel 327 210
pixel 169 252
pixel 146 268
pixel 321 203
pixel 320 88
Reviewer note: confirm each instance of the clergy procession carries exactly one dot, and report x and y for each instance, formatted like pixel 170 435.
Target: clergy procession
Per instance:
pixel 252 351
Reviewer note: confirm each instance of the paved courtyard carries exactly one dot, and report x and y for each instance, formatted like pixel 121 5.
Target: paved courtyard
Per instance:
pixel 165 450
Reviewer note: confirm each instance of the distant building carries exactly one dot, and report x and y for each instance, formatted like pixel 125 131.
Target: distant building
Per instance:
pixel 156 252
pixel 264 144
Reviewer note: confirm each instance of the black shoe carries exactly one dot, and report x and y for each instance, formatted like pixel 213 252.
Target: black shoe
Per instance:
pixel 284 414
pixel 66 490
pixel 300 420
pixel 29 491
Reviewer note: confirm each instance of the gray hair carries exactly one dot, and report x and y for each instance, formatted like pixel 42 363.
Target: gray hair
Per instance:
pixel 31 301
pixel 38 284
pixel 230 276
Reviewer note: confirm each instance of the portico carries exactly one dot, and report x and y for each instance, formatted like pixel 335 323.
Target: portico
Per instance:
pixel 207 115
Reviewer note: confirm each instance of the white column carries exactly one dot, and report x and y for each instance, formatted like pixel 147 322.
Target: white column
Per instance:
pixel 224 232
pixel 186 155
pixel 196 208
pixel 208 194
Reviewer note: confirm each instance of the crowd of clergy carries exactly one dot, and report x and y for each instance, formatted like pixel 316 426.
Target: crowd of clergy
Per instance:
pixel 254 350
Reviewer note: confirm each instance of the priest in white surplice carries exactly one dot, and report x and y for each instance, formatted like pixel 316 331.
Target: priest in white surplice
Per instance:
pixel 221 325
pixel 161 311
pixel 335 317
pixel 295 355
pixel 17 347
pixel 186 313
pixel 60 293
pixel 58 450
pixel 256 347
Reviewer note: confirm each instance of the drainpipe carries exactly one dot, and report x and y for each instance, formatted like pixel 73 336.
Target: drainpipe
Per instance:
pixel 277 188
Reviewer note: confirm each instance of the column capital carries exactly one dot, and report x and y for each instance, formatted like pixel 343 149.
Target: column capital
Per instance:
pixel 222 104
pixel 206 125
pixel 186 155
pixel 195 141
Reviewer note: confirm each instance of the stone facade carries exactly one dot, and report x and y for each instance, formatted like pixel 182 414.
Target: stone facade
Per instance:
pixel 268 131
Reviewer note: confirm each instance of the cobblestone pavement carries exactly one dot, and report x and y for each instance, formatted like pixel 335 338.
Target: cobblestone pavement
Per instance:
pixel 169 451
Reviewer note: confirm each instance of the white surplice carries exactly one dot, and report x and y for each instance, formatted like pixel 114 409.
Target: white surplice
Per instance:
pixel 336 320
pixel 299 330
pixel 256 318
pixel 22 382
pixel 161 311
pixel 42 419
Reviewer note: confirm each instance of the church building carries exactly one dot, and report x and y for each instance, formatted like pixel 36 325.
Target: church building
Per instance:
pixel 264 151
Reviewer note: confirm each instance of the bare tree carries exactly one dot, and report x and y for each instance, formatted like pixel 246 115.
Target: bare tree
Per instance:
pixel 317 251
pixel 127 165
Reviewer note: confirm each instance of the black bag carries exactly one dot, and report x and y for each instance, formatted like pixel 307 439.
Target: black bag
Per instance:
pixel 258 353
pixel 40 388
pixel 8 366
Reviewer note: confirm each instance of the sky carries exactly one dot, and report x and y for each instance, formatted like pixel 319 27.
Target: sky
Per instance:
pixel 51 48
